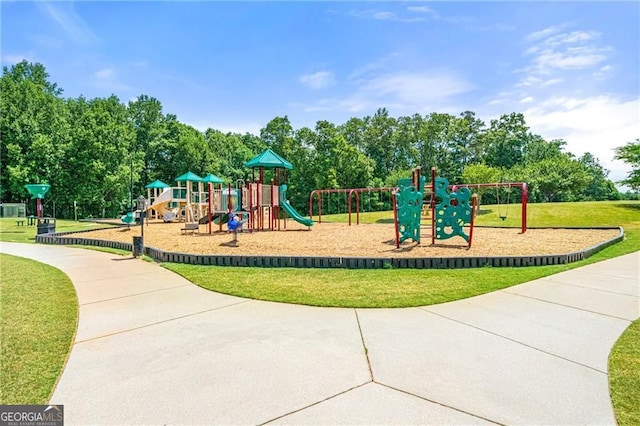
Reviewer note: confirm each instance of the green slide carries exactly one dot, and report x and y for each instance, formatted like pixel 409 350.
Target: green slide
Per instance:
pixel 290 210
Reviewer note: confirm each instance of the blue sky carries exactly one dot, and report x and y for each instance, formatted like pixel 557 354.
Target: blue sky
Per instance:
pixel 573 68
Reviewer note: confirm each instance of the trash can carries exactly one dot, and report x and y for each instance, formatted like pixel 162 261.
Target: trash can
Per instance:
pixel 138 246
pixel 46 226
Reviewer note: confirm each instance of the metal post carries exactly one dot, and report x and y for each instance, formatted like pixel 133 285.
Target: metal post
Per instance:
pixel 395 219
pixel 523 207
pixel 131 184
pixel 474 206
pixel 209 194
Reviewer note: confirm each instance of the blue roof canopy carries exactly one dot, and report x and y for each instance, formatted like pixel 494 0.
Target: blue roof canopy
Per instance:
pixel 188 177
pixel 211 178
pixel 156 184
pixel 269 160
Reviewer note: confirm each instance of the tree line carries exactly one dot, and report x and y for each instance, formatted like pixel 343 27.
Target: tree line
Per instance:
pixel 95 151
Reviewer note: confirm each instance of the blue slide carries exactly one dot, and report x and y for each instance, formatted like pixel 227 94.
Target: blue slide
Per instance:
pixel 284 203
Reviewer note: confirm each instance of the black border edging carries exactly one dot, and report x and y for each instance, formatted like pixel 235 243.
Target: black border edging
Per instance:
pixel 341 262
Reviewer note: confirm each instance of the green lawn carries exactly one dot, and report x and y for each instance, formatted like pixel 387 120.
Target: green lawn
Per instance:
pixel 39 317
pixel 11 232
pixel 624 376
pixel 406 287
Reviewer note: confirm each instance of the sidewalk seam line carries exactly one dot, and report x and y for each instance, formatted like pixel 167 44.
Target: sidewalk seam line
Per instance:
pixel 135 294
pixel 603 274
pixel 515 341
pixel 313 404
pixel 591 288
pixel 160 322
pixel 364 346
pixel 438 403
pixel 568 306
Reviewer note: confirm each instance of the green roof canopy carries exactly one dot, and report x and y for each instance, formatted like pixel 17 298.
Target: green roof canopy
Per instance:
pixel 211 178
pixel 189 176
pixel 269 160
pixel 156 184
pixel 38 190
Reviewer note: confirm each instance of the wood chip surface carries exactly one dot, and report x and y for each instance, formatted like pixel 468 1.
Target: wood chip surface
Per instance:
pixel 365 240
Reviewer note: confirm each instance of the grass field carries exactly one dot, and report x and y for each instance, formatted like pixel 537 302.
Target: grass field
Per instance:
pixel 11 232
pixel 39 317
pixel 405 287
pixel 624 376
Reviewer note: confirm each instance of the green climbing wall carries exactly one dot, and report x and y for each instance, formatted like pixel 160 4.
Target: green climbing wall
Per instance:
pixel 409 205
pixel 453 211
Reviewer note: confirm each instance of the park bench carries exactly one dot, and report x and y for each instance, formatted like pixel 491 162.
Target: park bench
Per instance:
pixel 193 227
pixel 20 222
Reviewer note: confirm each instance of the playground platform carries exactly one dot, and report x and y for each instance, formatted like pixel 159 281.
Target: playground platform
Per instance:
pixel 156 349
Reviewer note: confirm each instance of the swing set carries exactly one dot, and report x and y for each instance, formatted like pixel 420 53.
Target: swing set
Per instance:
pixel 349 194
pixel 503 200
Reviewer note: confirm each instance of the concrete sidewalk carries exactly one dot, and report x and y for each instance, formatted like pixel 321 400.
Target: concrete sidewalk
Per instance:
pixel 153 348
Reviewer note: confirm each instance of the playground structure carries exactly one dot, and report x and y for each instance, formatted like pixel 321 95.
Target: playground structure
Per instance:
pixel 200 201
pixel 349 194
pixel 38 192
pixel 509 185
pixel 451 210
pixel 415 199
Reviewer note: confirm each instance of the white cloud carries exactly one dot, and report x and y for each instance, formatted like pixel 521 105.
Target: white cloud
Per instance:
pixel 420 9
pixel 546 32
pixel 373 67
pixel 107 79
pixel 228 127
pixel 573 37
pixel 595 124
pixel 105 74
pixel 552 82
pixel 12 59
pixel 384 15
pixel 401 91
pixel 73 25
pixel 554 53
pixel 318 80
pixel 415 88
pixel 576 58
pixel 529 80
pixel 527 100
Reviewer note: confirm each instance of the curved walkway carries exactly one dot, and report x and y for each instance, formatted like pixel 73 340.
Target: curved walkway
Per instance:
pixel 153 348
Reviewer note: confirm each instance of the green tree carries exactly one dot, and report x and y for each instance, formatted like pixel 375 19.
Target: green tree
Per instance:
pixel 99 158
pixel 150 128
pixel 278 136
pixel 464 143
pixel 630 154
pixel 379 142
pixel 554 179
pixel 437 136
pixel 538 149
pixel 506 140
pixel 33 129
pixel 599 186
pixel 354 132
pixel 182 148
pixel 481 173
